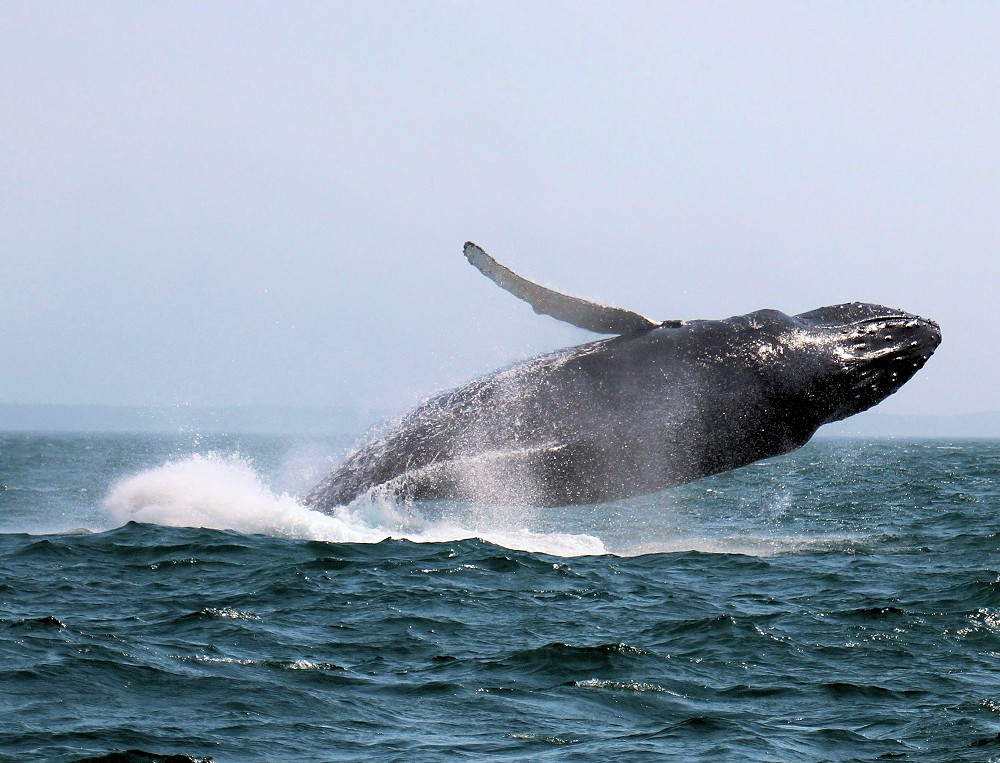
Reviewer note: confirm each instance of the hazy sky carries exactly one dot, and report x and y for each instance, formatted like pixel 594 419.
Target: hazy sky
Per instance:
pixel 234 203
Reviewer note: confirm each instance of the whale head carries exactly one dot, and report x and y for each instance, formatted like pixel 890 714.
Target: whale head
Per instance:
pixel 870 350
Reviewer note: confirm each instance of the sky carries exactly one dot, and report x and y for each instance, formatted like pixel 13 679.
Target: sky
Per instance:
pixel 265 203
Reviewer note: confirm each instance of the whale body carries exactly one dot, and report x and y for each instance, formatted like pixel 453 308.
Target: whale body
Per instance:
pixel 656 405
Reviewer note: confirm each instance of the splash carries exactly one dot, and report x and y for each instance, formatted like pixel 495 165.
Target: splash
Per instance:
pixel 225 492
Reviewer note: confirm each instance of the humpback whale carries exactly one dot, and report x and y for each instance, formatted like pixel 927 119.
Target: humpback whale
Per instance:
pixel 657 404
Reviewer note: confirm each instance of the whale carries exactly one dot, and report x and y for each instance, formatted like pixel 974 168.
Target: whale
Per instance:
pixel 653 405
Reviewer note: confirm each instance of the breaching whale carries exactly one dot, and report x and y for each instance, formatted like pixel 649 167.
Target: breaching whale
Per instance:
pixel 658 404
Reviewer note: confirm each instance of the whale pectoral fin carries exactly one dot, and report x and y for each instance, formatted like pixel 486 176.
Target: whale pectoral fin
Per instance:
pixel 592 316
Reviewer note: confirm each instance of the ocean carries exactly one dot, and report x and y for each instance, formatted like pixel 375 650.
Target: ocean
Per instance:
pixel 165 598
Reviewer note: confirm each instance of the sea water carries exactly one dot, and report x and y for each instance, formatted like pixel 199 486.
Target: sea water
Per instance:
pixel 170 596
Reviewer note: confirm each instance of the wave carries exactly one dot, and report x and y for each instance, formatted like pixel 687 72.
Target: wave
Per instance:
pixel 225 492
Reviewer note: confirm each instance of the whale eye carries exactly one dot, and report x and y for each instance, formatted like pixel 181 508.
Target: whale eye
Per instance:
pixel 888 338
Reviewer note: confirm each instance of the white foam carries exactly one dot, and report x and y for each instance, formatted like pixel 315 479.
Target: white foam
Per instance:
pixel 225 492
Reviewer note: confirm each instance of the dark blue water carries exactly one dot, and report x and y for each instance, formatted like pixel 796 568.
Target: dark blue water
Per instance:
pixel 841 603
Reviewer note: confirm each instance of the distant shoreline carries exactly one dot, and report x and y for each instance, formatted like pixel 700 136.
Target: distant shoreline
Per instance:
pixel 345 420
pixel 984 425
pixel 248 419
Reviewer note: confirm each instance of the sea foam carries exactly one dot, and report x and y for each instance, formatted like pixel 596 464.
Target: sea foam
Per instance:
pixel 226 492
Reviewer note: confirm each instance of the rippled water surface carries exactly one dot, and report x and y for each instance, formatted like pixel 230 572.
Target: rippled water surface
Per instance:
pixel 169 595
